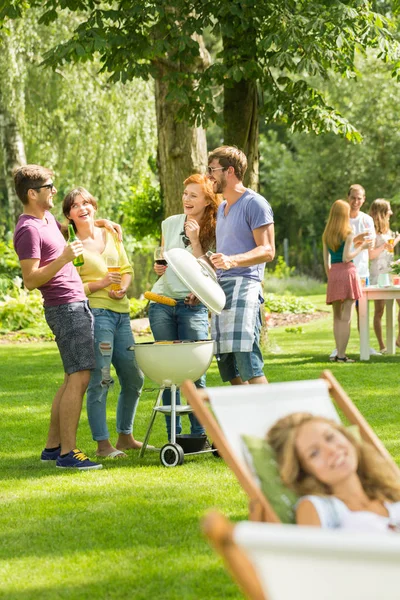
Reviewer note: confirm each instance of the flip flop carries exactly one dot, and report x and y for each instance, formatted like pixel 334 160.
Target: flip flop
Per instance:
pixel 114 454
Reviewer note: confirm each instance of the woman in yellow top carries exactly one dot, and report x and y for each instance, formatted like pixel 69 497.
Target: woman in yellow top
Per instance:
pixel 112 331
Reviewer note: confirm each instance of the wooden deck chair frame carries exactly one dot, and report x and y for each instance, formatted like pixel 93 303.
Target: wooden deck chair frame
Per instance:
pixel 284 561
pixel 219 531
pixel 259 507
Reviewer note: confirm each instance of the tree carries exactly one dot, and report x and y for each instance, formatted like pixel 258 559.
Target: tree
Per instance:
pixel 271 56
pixel 89 131
pixel 12 99
pixel 303 174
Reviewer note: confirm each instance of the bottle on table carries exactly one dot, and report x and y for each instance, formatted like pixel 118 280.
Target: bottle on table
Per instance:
pixel 78 260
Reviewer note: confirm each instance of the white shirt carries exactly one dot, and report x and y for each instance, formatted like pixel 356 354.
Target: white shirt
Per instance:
pixel 360 224
pixel 333 513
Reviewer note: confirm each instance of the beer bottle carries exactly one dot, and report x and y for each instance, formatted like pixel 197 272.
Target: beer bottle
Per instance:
pixel 78 260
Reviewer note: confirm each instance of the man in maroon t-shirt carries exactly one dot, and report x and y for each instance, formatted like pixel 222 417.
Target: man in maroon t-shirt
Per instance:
pixel 46 264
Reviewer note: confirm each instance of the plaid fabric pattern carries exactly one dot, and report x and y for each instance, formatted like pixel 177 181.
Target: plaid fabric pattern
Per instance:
pixel 233 330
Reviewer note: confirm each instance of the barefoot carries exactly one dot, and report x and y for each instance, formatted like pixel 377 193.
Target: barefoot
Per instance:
pixel 128 442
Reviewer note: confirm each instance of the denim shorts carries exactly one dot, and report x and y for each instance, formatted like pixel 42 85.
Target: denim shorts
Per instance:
pixel 245 365
pixel 72 325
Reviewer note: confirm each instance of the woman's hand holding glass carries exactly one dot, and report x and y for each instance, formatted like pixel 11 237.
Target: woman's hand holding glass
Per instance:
pixel 160 264
pixel 111 279
pixel 118 294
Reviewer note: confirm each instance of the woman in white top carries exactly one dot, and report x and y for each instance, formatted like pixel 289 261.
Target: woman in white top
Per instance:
pixel 381 256
pixel 194 231
pixel 344 481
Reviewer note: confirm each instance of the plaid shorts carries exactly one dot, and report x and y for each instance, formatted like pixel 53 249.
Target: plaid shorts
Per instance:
pixel 72 325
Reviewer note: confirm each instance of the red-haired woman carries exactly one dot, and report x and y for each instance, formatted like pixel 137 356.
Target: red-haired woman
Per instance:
pixel 194 231
pixel 343 282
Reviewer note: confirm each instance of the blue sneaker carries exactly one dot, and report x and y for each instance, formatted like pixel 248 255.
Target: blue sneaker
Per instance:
pixel 50 454
pixel 76 459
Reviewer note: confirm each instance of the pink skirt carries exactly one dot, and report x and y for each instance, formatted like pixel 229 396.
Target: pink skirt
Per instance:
pixel 343 283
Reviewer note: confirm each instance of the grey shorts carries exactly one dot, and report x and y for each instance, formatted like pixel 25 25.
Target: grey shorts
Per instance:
pixel 72 325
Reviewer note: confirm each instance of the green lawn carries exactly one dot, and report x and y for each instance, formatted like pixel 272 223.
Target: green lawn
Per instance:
pixel 131 530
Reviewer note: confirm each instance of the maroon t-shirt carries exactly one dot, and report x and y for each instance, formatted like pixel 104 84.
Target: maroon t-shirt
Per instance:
pixel 42 239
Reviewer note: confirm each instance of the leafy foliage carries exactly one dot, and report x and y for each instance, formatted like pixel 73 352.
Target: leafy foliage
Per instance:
pixel 137 308
pixel 21 310
pixel 301 175
pixel 288 303
pixel 88 131
pixel 281 270
pixel 9 265
pixel 291 42
pixel 142 213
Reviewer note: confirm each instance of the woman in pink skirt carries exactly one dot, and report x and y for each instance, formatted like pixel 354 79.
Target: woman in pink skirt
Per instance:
pixel 343 282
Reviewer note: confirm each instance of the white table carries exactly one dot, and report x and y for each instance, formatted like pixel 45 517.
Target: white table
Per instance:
pixel 373 292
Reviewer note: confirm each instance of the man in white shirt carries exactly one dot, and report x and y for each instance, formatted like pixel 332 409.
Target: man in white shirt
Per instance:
pixel 360 222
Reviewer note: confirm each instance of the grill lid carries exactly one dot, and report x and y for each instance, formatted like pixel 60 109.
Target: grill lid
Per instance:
pixel 198 276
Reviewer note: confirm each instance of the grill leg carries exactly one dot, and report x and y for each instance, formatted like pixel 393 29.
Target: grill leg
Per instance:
pixel 173 414
pixel 150 427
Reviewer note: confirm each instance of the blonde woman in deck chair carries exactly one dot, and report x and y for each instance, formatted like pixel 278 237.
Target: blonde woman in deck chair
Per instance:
pixel 343 481
pixel 237 422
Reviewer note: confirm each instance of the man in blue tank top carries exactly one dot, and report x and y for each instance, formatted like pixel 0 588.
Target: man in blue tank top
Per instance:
pixel 245 242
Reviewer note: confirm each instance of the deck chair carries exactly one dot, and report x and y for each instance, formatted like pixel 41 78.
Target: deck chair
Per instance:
pixel 252 410
pixel 280 562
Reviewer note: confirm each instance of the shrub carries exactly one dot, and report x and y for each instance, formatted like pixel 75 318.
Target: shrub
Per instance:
pixel 9 265
pixel 281 270
pixel 142 214
pixel 24 309
pixel 137 308
pixel 288 303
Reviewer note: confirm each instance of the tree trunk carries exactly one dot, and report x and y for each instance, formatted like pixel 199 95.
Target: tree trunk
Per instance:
pixel 241 125
pixel 241 120
pixel 13 156
pixel 12 107
pixel 182 150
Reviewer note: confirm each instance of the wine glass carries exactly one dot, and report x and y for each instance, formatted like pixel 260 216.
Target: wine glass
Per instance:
pixel 159 256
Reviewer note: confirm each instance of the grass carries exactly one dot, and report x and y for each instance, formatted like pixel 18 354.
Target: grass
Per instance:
pixel 132 529
pixel 298 285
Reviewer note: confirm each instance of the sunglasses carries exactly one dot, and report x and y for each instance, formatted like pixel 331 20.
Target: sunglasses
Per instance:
pixel 49 186
pixel 186 241
pixel 210 170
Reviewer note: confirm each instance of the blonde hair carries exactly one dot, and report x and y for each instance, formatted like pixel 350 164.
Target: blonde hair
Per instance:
pixel 338 226
pixel 376 475
pixel 380 212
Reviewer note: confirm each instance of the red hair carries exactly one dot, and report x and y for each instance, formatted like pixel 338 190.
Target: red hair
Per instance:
pixel 209 220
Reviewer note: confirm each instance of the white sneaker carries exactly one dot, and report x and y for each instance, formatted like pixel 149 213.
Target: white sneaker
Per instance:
pixel 373 352
pixel 333 354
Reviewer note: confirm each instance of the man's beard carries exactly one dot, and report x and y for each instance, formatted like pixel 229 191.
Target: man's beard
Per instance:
pixel 220 186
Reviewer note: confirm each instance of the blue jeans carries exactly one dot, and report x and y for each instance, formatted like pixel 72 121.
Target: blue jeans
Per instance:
pixel 112 337
pixel 180 322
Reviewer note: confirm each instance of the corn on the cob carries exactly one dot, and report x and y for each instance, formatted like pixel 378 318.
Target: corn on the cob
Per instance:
pixel 159 298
